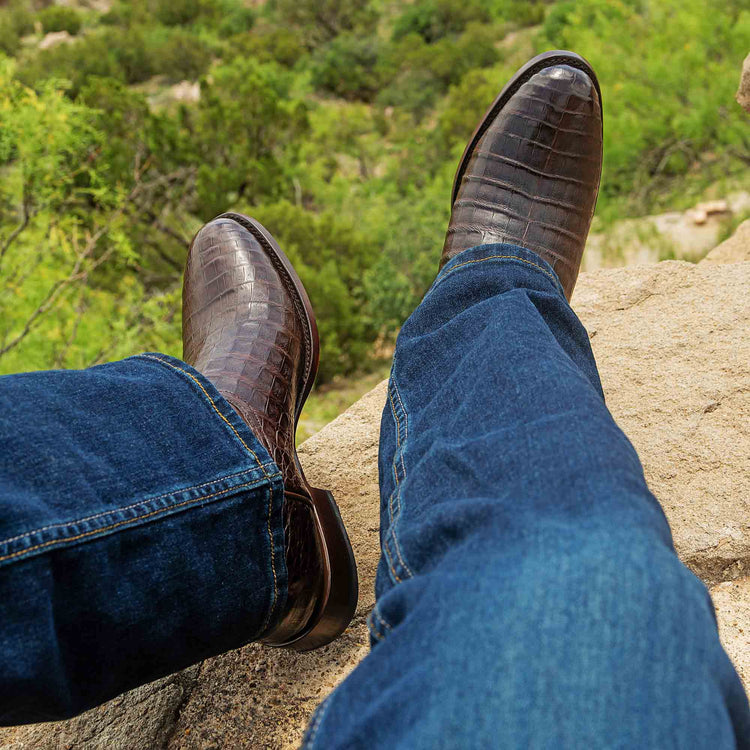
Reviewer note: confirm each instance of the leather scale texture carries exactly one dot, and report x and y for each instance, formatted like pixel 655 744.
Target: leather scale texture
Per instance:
pixel 533 177
pixel 244 329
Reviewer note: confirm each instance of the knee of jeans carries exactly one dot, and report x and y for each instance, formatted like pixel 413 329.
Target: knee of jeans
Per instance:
pixel 605 577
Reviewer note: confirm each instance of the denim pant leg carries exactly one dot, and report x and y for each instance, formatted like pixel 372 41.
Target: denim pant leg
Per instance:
pixel 140 532
pixel 528 594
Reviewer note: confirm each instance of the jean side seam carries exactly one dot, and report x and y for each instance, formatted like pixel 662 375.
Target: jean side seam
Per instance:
pixel 387 627
pixel 396 494
pixel 310 743
pixel 53 543
pixel 518 258
pixel 122 508
pixel 211 402
pixel 272 542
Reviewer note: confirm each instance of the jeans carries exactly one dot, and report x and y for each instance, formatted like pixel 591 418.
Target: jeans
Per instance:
pixel 528 593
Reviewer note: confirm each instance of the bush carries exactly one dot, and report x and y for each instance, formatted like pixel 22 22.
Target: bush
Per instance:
pixel 435 19
pixel 177 12
pixel 332 257
pixel 90 56
pixel 348 67
pixel 245 120
pixel 519 12
pixel 179 56
pixel 323 20
pixel 267 44
pixel 60 18
pixel 647 145
pixel 15 21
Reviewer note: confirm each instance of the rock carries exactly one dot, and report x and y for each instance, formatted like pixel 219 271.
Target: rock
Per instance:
pixel 687 235
pixel 700 213
pixel 54 38
pixel 673 349
pixel 743 93
pixel 732 603
pixel 186 91
pixel 734 250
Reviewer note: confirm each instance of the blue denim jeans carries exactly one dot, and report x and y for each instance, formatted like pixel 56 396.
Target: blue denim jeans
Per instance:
pixel 528 593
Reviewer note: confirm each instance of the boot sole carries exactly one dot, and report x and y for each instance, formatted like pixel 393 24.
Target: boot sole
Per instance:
pixel 532 67
pixel 336 608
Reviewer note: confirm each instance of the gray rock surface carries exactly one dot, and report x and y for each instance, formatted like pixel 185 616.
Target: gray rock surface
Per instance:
pixel 673 347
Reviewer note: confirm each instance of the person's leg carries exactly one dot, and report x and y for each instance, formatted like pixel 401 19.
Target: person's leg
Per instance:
pixel 528 593
pixel 140 531
pixel 153 512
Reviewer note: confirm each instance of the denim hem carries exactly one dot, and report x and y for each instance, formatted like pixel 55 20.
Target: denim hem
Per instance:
pixel 503 254
pixel 68 533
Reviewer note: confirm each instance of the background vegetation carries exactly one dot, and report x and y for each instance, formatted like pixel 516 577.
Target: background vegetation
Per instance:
pixel 337 123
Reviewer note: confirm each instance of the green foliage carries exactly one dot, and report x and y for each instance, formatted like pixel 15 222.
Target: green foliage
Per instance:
pixel 178 12
pixel 331 256
pixel 662 111
pixel 179 56
pixel 435 19
pixel 323 20
pixel 16 20
pixel 268 43
pixel 244 120
pixel 338 123
pixel 60 18
pixel 347 67
pixel 519 12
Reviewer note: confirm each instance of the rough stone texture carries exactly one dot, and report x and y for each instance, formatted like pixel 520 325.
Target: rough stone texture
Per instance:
pixel 733 250
pixel 743 93
pixel 673 347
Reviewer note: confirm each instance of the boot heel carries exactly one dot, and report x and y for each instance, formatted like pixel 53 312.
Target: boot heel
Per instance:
pixel 341 603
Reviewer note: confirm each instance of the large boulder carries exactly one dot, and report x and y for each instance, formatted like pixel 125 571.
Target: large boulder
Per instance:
pixel 673 347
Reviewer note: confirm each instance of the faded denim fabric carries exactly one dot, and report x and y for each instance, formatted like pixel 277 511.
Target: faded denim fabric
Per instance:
pixel 140 532
pixel 528 594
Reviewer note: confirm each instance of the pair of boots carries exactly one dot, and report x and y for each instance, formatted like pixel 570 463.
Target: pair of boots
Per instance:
pixel 528 177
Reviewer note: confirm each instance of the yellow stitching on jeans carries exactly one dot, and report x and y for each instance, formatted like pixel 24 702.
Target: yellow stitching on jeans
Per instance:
pixel 391 566
pixel 318 720
pixel 390 501
pixel 381 620
pixel 130 520
pixel 273 563
pixel 122 508
pixel 398 484
pixel 211 401
pixel 376 633
pixel 501 257
pixel 406 432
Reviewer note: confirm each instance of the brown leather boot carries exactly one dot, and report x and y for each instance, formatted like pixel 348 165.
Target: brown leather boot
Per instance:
pixel 248 326
pixel 530 174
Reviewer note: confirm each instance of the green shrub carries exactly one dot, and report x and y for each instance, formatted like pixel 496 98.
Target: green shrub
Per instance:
pixel 332 257
pixel 90 56
pixel 177 12
pixel 435 19
pixel 348 67
pixel 267 44
pixel 245 122
pixel 60 18
pixel 674 97
pixel 16 21
pixel 322 20
pixel 179 55
pixel 520 12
